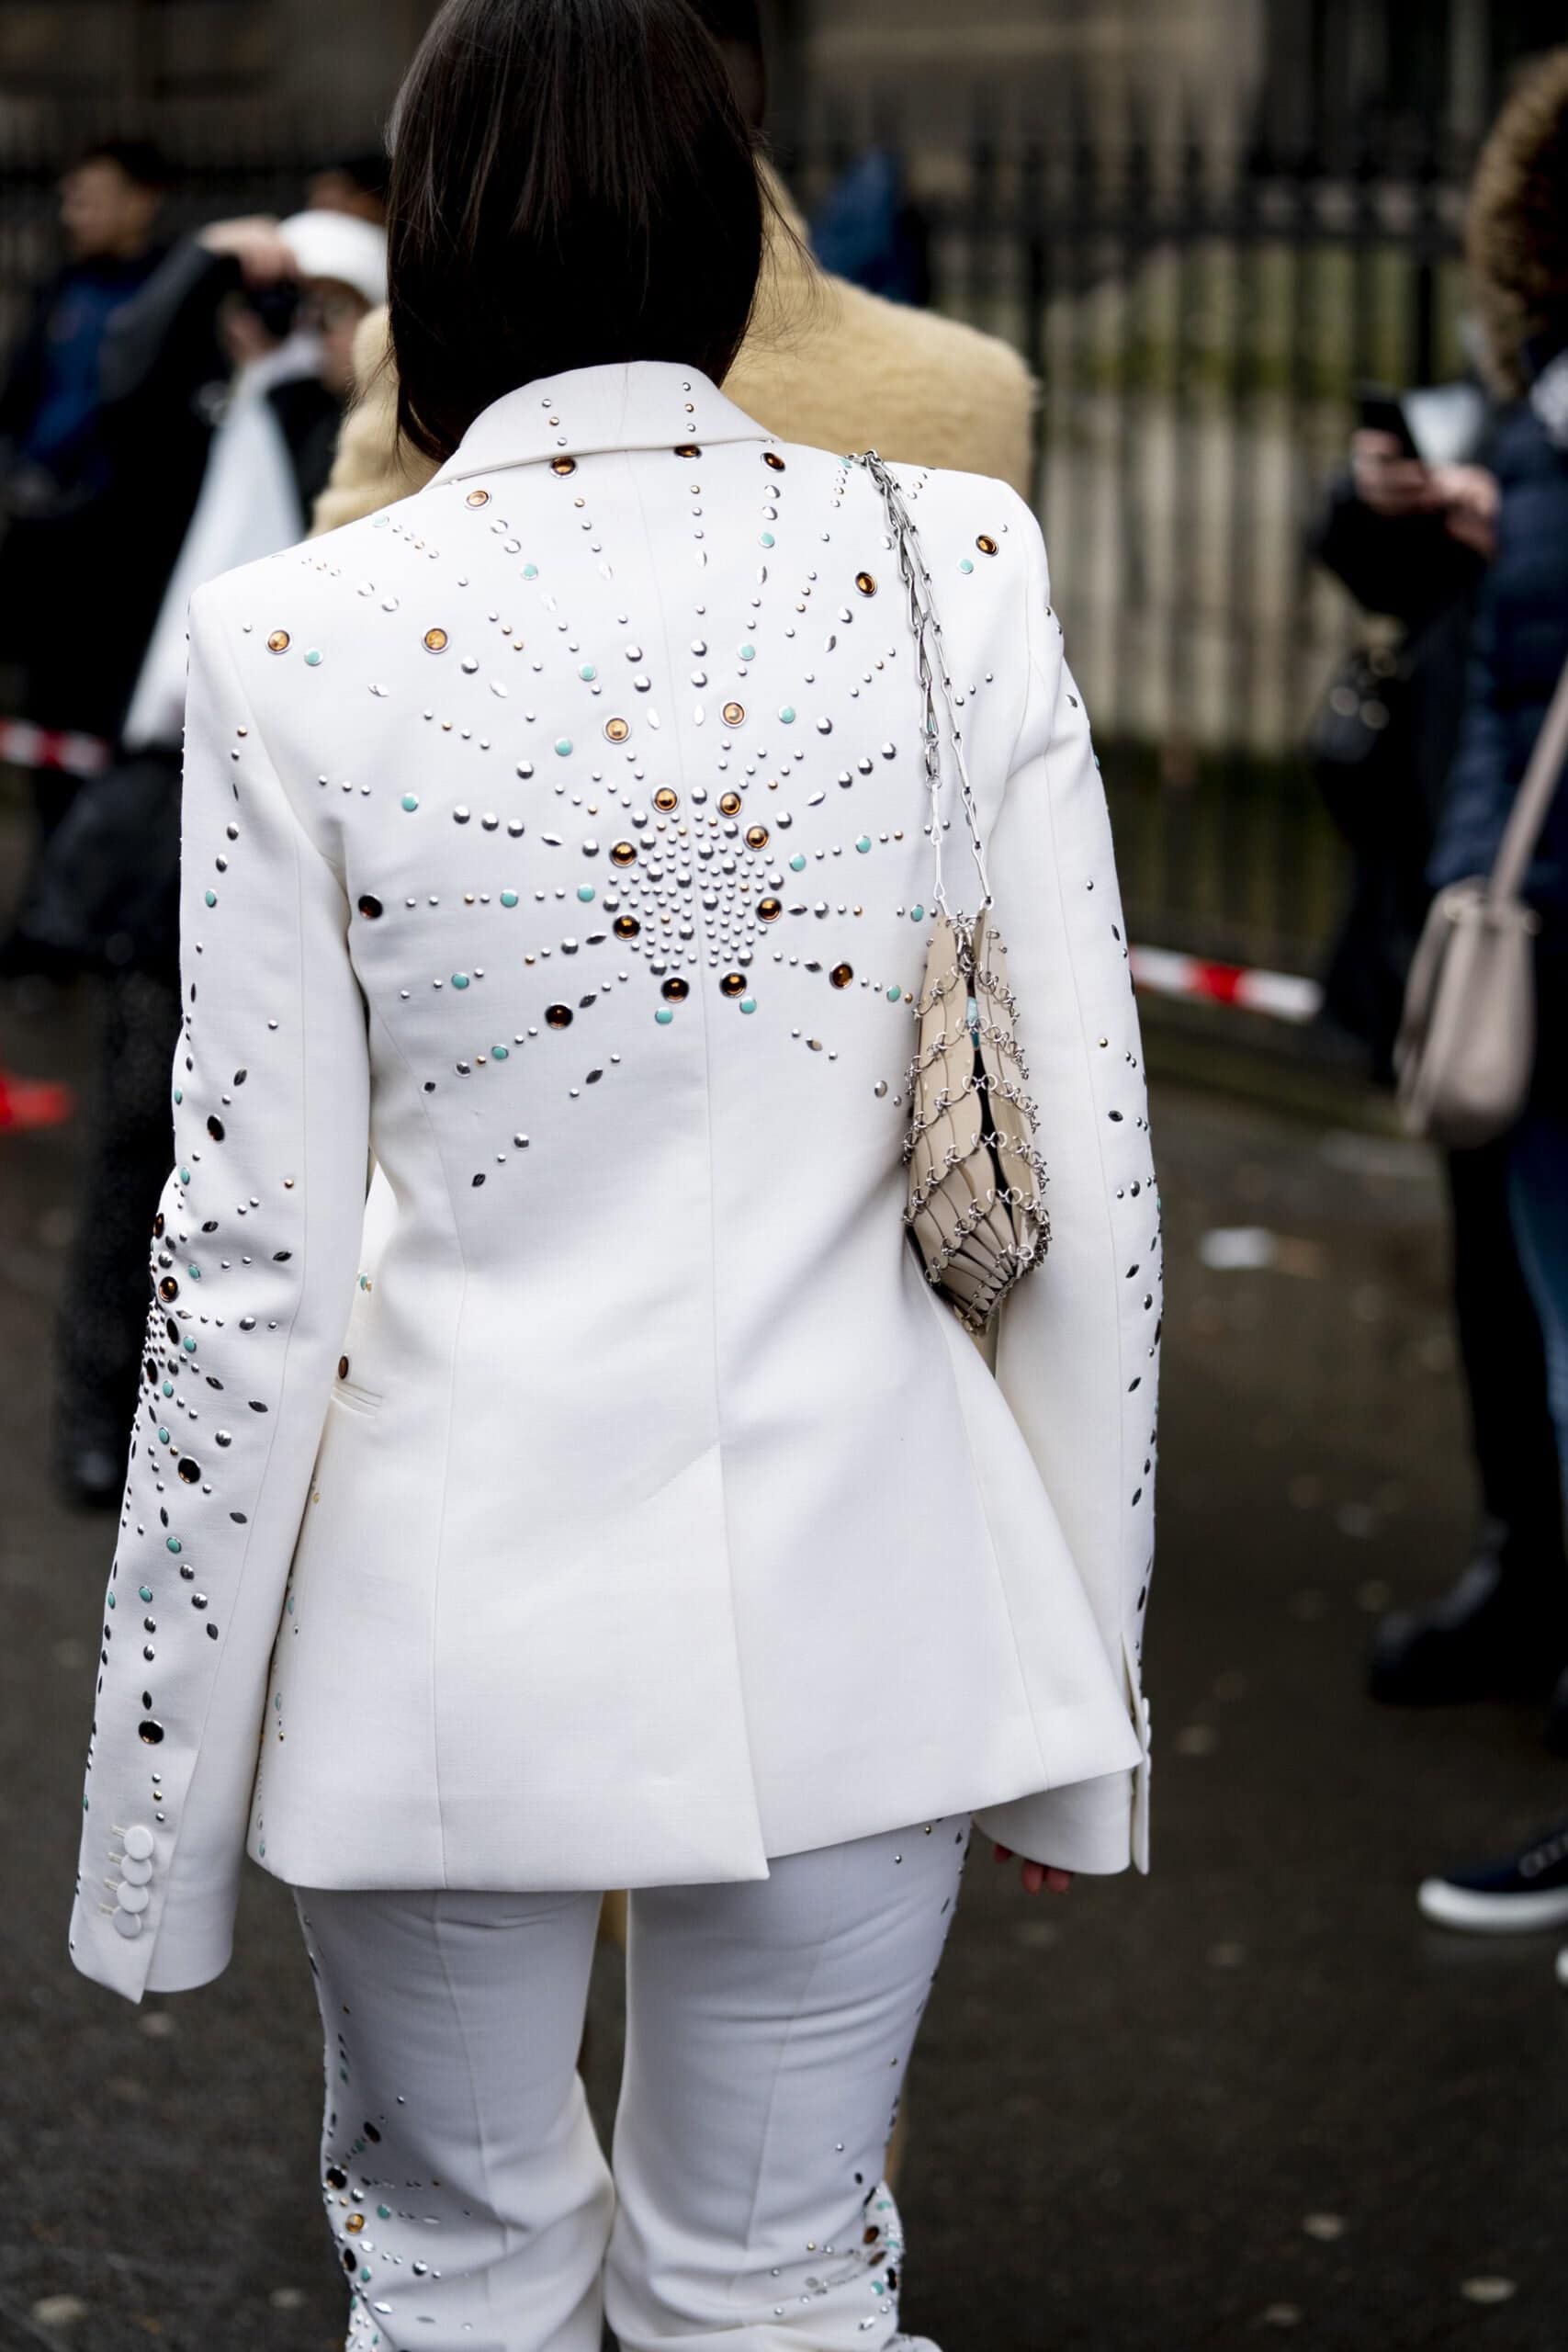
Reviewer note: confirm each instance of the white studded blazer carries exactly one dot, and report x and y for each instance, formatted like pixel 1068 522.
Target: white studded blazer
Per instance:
pixel 610 1501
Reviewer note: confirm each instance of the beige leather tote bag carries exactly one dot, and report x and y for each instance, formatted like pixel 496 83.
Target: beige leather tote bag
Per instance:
pixel 976 1203
pixel 1466 1044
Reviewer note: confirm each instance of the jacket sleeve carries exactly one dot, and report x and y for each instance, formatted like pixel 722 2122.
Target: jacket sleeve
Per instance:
pixel 1480 788
pixel 1078 1353
pixel 1408 566
pixel 253 1264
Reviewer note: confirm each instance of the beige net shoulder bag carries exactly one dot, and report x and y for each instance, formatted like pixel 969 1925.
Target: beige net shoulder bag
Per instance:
pixel 975 1208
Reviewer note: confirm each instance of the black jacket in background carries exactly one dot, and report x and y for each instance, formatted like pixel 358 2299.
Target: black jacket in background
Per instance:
pixel 1412 570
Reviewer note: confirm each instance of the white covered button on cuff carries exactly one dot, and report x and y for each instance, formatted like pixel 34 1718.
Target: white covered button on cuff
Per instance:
pixel 138 1874
pixel 132 1898
pixel 139 1842
pixel 127 1922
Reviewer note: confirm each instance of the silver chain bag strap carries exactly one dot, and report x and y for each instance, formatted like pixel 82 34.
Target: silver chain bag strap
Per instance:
pixel 976 1205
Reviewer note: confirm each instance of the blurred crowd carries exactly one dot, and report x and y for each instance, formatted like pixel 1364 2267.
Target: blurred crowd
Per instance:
pixel 173 407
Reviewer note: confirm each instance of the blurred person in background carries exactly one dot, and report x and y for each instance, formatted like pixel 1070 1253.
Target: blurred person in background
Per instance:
pixel 1412 540
pixel 108 893
pixel 352 184
pixel 1517 245
pixel 219 296
pixel 824 361
pixel 637 1514
pixel 64 509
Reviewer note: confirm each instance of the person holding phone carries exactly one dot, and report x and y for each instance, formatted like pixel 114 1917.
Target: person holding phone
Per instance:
pixel 1412 539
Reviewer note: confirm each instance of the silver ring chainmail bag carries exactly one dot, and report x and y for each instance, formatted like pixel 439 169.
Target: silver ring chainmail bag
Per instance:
pixel 976 1207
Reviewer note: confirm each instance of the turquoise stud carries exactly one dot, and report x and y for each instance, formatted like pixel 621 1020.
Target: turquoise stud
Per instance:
pixel 459 979
pixel 797 864
pixel 410 802
pixel 173 1543
pixel 748 1004
pixel 864 843
pixel 585 892
pixel 189 1346
pixel 965 564
pixel 313 658
pixel 787 714
pixel 498 1053
pixel 588 671
pixel 145 1590
pixel 747 652
pixel 894 993
pixel 179 1094
pixel 210 897
pixel 563 745
pixel 530 571
pixel 664 1016
pixel 509 898
pixel 917 914
pixel 767 538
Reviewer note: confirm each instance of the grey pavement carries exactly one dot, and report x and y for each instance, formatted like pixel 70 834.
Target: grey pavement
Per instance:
pixel 1251 2098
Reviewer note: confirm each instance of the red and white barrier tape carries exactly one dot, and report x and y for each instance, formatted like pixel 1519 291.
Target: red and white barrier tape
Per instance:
pixel 28 746
pixel 27 1102
pixel 1283 995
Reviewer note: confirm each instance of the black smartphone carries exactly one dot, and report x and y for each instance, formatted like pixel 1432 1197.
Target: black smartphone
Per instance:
pixel 1381 411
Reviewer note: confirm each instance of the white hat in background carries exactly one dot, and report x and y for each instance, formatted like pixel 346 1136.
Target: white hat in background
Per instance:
pixel 337 245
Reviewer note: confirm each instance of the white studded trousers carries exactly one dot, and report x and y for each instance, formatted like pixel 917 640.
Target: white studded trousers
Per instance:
pixel 769 2024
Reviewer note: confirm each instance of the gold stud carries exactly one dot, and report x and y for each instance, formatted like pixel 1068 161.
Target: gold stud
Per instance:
pixel 771 457
pixel 734 712
pixel 666 798
pixel 770 909
pixel 756 837
pixel 278 641
pixel 866 582
pixel 623 853
pixel 626 926
pixel 355 2223
pixel 842 975
pixel 476 498
pixel 732 983
pixel 342 1367
pixel 617 729
pixel 688 450
pixel 676 989
pixel 563 464
pixel 730 803
pixel 434 640
pixel 558 1016
pixel 986 544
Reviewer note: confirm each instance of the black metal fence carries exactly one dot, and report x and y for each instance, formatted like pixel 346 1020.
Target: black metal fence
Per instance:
pixel 1198 309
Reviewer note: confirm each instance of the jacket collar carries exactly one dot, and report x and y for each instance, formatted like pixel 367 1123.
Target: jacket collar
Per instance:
pixel 634 404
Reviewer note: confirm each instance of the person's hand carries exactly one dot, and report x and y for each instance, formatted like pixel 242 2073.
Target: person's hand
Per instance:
pixel 255 243
pixel 1386 479
pixel 1468 495
pixel 1036 1876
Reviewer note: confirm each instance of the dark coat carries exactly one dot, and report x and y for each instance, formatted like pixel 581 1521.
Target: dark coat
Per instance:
pixel 1411 569
pixel 1519 646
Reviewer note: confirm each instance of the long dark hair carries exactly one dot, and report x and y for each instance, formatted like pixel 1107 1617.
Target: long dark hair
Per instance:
pixel 573 183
